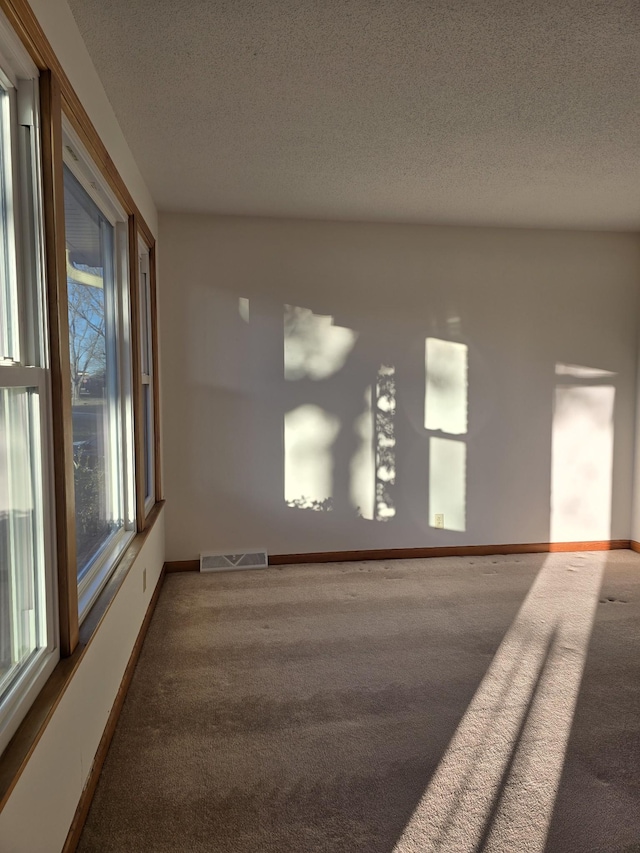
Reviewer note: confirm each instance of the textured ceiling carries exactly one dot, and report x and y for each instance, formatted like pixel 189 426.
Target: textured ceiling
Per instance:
pixel 495 112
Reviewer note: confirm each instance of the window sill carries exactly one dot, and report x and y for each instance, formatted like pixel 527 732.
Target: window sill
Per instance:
pixel 20 748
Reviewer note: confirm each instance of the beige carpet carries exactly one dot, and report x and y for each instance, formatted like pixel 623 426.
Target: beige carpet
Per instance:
pixel 425 705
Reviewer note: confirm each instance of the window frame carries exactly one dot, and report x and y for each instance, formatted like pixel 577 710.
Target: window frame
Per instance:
pixel 11 331
pixel 27 365
pixel 29 680
pixel 147 377
pixel 78 161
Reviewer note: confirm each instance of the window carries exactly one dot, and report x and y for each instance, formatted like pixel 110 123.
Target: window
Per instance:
pixel 8 293
pixel 76 524
pixel 100 366
pixel 146 369
pixel 28 650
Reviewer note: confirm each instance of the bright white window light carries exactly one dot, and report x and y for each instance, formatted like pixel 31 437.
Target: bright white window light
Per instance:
pixel 309 433
pixel 446 386
pixel 314 347
pixel 447 481
pixel 582 463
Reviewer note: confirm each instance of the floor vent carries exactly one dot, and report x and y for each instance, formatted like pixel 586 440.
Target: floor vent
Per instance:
pixel 215 562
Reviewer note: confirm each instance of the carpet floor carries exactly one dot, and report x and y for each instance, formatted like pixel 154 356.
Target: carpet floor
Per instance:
pixel 451 705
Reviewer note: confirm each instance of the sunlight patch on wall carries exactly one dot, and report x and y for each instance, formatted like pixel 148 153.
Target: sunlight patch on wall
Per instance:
pixel 582 462
pixel 385 464
pixel 454 325
pixel 496 785
pixel 313 347
pixel 447 481
pixel 363 462
pixel 309 433
pixel 445 405
pixel 243 308
pixel 445 411
pixel 580 372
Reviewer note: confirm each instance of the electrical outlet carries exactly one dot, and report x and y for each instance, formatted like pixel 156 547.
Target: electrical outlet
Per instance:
pixel 144 580
pixel 439 520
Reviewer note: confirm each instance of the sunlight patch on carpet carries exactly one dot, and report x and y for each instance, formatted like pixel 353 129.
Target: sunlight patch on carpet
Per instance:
pixel 495 788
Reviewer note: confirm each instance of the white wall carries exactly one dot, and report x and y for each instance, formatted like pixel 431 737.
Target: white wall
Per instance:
pixel 37 816
pixel 523 302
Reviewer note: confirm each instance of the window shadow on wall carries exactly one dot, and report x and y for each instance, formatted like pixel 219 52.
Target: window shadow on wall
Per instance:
pixel 327 357
pixel 382 432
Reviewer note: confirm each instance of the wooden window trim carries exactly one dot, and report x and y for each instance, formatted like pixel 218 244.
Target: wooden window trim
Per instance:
pixel 155 350
pixel 58 322
pixel 136 365
pixel 155 383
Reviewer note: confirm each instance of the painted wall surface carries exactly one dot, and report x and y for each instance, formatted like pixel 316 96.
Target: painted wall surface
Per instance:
pixel 60 28
pixel 299 359
pixel 37 816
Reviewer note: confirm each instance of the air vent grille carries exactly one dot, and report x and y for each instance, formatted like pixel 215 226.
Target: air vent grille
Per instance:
pixel 217 562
